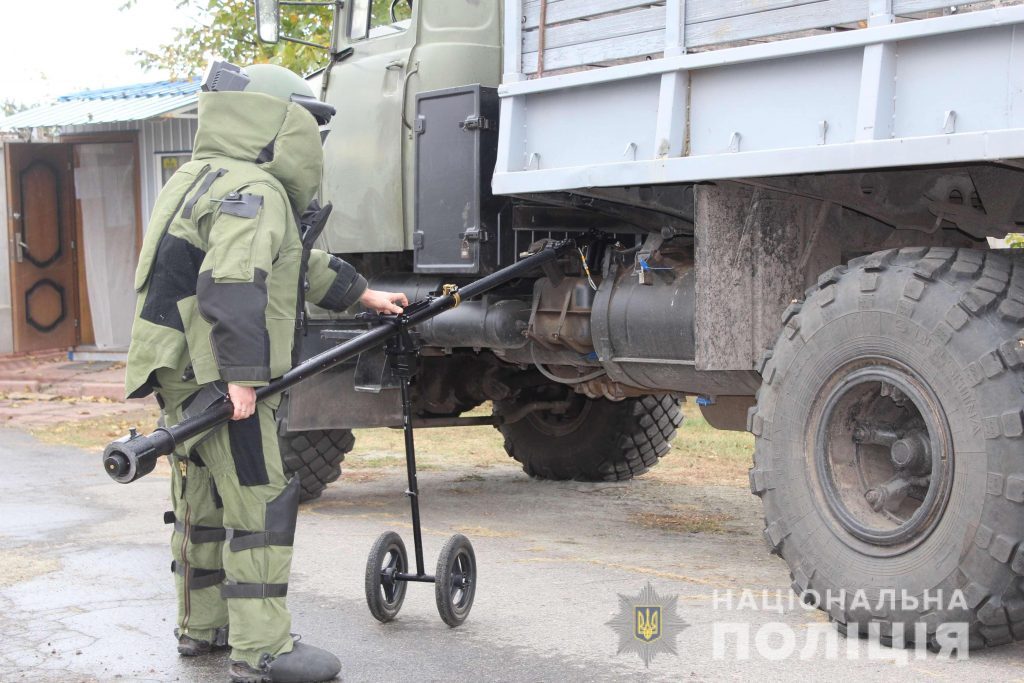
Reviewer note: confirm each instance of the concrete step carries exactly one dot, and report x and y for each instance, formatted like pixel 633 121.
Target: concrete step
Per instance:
pixel 10 386
pixel 54 374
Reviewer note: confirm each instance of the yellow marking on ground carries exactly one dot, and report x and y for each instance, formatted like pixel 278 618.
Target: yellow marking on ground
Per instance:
pixel 929 673
pixel 17 566
pixel 484 532
pixel 336 504
pixel 624 567
pixel 365 515
pixel 392 520
pixel 686 519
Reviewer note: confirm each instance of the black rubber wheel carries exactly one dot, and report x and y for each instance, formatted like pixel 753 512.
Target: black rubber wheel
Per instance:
pixel 595 439
pixel 315 457
pixel 889 451
pixel 384 595
pixel 455 580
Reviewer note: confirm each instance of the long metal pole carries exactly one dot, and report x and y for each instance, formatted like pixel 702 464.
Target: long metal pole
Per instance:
pixel 134 456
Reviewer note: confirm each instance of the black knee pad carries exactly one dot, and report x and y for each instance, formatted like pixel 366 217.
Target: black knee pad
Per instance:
pixel 282 515
pixel 283 511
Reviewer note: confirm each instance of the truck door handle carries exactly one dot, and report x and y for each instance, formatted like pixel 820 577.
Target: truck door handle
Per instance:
pixel 396 64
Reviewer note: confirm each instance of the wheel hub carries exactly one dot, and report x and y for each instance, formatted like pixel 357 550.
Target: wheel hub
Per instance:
pixel 882 454
pixel 565 421
pixel 912 453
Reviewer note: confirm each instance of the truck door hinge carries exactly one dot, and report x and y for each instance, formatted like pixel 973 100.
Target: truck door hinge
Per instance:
pixel 476 122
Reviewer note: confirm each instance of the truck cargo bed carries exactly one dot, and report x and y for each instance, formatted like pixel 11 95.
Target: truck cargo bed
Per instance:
pixel 619 92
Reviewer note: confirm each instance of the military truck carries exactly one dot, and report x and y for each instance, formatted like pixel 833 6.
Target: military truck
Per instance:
pixel 788 206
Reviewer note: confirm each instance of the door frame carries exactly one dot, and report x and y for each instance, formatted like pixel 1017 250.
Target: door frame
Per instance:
pixel 85 328
pixel 17 303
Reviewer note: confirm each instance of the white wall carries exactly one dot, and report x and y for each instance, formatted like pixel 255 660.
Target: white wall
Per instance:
pixel 162 135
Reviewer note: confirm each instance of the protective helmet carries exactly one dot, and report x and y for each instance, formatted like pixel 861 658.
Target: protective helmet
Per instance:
pixel 269 79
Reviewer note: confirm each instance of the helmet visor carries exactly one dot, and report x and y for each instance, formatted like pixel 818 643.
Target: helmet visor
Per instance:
pixel 321 111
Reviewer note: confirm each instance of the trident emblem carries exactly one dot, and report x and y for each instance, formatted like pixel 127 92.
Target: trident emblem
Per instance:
pixel 648 622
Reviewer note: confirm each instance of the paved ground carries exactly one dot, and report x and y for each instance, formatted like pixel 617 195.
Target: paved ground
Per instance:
pixel 85 593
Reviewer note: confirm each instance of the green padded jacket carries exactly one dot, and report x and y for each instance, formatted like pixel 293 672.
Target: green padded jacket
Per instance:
pixel 218 274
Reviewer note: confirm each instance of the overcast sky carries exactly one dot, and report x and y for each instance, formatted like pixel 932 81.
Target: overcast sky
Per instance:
pixel 53 47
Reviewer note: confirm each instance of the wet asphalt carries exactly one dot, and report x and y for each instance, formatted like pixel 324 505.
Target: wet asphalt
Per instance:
pixel 85 592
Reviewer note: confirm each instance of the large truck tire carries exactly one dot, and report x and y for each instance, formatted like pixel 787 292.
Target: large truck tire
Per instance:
pixel 595 440
pixel 890 445
pixel 315 457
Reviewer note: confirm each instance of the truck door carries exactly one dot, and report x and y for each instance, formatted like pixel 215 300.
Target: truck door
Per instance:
pixel 364 154
pixel 41 231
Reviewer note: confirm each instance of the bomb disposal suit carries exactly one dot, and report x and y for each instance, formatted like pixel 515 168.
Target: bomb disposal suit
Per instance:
pixel 218 287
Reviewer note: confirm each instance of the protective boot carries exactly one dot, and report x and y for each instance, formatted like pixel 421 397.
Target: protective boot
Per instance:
pixel 190 647
pixel 304 664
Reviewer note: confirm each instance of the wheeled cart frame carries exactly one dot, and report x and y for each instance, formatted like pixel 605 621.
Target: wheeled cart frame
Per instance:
pixel 387 567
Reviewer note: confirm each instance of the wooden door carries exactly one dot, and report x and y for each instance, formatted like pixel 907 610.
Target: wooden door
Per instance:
pixel 40 191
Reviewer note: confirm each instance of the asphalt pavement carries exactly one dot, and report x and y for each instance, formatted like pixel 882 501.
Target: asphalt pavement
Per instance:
pixel 86 595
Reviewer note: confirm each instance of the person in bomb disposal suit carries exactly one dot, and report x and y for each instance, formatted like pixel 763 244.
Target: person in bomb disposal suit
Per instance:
pixel 221 278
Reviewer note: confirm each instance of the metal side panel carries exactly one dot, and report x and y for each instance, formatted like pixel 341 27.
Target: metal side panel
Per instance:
pixel 330 401
pixel 978 76
pixel 775 104
pixel 602 124
pixel 456 139
pixel 932 91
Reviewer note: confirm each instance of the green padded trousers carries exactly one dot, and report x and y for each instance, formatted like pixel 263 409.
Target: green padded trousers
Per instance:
pixel 234 524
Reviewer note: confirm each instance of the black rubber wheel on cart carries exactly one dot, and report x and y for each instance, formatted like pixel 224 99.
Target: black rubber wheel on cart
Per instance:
pixel 385 594
pixel 455 580
pixel 890 446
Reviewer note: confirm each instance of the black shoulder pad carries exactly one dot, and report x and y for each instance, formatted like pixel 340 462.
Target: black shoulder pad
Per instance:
pixel 241 205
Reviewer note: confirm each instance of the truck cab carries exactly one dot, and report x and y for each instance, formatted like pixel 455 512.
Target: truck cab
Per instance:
pixel 376 72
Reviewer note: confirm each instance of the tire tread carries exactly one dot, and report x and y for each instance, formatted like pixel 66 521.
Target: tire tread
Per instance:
pixel 315 457
pixel 634 440
pixel 992 288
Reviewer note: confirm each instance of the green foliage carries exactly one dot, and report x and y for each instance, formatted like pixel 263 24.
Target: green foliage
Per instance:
pixel 8 107
pixel 1015 240
pixel 227 29
pixel 380 12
